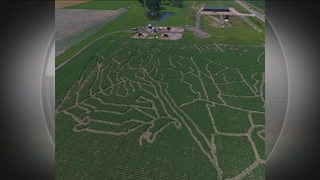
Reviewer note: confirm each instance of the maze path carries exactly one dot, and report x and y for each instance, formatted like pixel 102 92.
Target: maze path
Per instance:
pixel 130 90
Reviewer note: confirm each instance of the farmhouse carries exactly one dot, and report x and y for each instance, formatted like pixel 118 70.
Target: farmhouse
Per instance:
pixel 215 9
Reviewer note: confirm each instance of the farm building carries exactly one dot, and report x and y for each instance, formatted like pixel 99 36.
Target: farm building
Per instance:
pixel 215 9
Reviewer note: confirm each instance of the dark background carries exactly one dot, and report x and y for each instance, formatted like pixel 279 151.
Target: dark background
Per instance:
pixel 297 154
pixel 25 148
pixel 26 28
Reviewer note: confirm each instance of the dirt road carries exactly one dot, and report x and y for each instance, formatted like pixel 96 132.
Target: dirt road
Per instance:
pixel 197 30
pixel 252 11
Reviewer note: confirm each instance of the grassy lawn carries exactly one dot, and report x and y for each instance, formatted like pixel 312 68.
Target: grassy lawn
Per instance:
pixel 182 16
pixel 257 5
pixel 135 17
pixel 240 32
pixel 261 4
pixel 105 5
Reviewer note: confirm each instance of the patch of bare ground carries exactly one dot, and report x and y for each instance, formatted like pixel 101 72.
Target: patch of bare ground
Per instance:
pixel 219 22
pixel 140 35
pixel 176 30
pixel 73 25
pixel 170 36
pixel 163 33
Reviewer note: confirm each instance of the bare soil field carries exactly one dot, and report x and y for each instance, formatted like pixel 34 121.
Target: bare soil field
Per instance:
pixel 171 36
pixel 63 4
pixel 140 35
pixel 73 25
pixel 163 33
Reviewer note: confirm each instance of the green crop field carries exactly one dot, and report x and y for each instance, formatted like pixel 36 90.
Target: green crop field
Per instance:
pixel 154 109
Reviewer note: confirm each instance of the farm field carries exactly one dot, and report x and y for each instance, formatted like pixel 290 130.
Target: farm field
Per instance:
pixel 153 109
pixel 66 3
pixel 135 17
pixel 110 4
pixel 73 25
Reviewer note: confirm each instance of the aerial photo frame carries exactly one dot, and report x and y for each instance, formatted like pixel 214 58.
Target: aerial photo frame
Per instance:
pixel 151 89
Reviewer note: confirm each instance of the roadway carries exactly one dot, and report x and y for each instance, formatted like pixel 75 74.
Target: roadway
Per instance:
pixel 252 11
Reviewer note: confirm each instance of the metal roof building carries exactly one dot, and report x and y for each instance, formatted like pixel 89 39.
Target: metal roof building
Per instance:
pixel 215 9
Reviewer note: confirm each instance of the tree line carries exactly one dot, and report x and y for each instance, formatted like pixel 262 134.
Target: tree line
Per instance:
pixel 155 5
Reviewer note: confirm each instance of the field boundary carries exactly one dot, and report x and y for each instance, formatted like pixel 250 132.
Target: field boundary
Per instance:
pixel 85 47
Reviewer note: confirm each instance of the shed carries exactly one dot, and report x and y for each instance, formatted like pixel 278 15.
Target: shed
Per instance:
pixel 216 9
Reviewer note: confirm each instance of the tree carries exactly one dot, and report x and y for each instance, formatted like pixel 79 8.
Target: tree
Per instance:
pixel 142 2
pixel 177 3
pixel 153 6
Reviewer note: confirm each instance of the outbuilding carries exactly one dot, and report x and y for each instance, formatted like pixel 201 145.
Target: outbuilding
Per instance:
pixel 215 9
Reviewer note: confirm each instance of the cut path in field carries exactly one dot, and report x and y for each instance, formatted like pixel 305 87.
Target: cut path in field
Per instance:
pixel 83 48
pixel 131 90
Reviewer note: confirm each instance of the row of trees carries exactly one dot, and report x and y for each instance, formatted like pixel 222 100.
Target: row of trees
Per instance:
pixel 154 5
pixel 176 3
